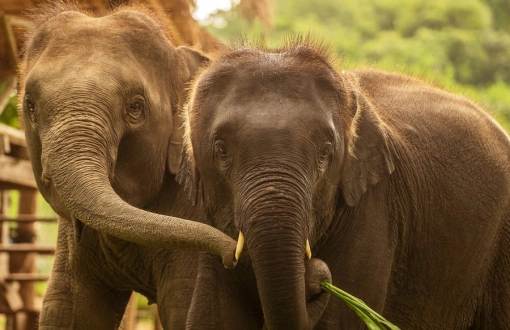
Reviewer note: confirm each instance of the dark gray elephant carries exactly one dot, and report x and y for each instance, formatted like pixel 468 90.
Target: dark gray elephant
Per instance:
pixel 402 189
pixel 101 99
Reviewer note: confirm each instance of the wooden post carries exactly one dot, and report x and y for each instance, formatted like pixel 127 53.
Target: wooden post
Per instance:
pixel 11 40
pixel 157 321
pixel 21 262
pixel 5 96
pixel 4 256
pixel 130 318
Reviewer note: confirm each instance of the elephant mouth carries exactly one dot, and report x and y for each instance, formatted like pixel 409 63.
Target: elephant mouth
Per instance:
pixel 51 194
pixel 240 246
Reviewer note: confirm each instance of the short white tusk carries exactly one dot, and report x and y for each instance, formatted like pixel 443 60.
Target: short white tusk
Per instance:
pixel 240 245
pixel 308 251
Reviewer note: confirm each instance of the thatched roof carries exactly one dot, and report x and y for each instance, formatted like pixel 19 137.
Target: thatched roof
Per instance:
pixel 185 30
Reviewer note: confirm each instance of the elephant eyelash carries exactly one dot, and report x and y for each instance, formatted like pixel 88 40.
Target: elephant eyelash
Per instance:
pixel 324 155
pixel 135 111
pixel 220 152
pixel 325 151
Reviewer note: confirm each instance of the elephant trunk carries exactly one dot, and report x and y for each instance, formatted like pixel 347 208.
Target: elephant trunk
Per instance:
pixel 277 221
pixel 80 168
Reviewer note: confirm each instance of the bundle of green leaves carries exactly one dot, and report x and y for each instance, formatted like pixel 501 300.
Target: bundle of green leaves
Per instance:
pixel 372 319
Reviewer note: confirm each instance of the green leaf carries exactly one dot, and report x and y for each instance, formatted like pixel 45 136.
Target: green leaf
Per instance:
pixel 372 319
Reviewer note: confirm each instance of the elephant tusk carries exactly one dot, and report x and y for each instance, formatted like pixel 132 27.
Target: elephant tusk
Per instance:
pixel 240 245
pixel 308 251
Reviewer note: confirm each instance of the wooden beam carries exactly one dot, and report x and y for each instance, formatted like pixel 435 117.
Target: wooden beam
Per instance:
pixel 19 22
pixel 26 277
pixel 28 218
pixel 16 136
pixel 16 172
pixel 27 248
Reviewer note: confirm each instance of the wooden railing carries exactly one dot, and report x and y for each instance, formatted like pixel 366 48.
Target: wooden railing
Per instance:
pixel 18 253
pixel 18 247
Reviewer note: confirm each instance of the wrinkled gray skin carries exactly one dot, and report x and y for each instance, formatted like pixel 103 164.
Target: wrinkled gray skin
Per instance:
pixel 101 98
pixel 402 189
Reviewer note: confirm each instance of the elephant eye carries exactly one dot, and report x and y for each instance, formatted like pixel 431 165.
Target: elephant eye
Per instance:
pixel 325 153
pixel 136 109
pixel 31 110
pixel 221 152
pixel 220 148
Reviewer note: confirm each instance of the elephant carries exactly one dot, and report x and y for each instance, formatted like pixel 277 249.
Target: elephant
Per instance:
pixel 400 188
pixel 100 104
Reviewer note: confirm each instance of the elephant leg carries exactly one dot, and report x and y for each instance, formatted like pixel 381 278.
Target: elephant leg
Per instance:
pixel 500 318
pixel 175 287
pixel 98 307
pixel 57 306
pixel 494 305
pixel 100 296
pixel 75 298
pixel 224 298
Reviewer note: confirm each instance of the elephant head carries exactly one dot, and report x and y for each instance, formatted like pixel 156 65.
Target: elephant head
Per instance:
pixel 100 105
pixel 279 142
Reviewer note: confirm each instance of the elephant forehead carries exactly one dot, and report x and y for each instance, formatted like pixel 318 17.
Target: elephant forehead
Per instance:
pixel 76 35
pixel 258 106
pixel 260 82
pixel 275 108
pixel 122 49
pixel 272 113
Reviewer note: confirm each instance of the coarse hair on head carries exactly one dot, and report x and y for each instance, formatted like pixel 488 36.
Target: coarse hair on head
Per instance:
pixel 51 8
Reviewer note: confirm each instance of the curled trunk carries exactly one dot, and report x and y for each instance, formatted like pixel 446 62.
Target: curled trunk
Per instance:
pixel 80 170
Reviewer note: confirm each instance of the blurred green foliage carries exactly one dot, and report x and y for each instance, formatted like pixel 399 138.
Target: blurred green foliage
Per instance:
pixel 463 46
pixel 9 116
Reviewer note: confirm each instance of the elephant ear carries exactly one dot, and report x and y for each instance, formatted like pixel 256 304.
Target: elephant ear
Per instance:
pixel 191 61
pixel 370 152
pixel 187 173
pixel 175 146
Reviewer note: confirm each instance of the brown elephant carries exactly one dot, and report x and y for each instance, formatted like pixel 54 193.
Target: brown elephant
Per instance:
pixel 101 99
pixel 401 188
